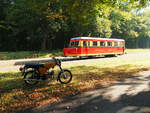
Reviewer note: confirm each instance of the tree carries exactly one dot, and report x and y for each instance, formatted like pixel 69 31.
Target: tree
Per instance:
pixel 40 19
pixel 34 24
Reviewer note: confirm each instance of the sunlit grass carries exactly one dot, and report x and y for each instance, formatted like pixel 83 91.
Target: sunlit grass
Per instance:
pixel 137 50
pixel 29 54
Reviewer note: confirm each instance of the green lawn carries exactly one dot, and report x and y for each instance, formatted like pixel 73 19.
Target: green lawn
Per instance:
pixel 45 54
pixel 137 50
pixel 29 54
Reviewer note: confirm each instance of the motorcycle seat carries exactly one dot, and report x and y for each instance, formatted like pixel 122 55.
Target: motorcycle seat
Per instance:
pixel 32 65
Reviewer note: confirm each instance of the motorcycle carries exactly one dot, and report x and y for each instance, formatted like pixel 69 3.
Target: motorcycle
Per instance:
pixel 34 73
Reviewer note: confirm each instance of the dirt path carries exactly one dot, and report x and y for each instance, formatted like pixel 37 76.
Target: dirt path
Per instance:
pixel 131 95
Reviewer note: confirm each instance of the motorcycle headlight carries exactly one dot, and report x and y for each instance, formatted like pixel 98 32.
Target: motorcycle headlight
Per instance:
pixel 21 69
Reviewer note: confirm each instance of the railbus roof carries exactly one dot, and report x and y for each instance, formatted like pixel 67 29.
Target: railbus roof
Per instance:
pixel 95 38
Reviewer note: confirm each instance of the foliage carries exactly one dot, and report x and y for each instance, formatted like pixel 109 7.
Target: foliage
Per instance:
pixel 38 24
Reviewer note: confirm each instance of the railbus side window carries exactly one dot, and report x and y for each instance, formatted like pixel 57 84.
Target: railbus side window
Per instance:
pixel 102 44
pixel 115 44
pixel 84 44
pixel 94 43
pixel 109 44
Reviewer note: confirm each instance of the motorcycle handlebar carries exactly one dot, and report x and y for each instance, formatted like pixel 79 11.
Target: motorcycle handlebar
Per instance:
pixel 58 62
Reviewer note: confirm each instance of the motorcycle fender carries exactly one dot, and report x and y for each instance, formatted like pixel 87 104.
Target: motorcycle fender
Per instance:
pixel 23 71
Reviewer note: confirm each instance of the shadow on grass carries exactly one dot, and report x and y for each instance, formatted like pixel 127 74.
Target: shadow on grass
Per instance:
pixel 90 73
pixel 16 96
pixel 130 95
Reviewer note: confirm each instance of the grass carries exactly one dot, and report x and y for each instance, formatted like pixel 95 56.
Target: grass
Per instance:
pixel 45 54
pixel 29 54
pixel 137 50
pixel 16 96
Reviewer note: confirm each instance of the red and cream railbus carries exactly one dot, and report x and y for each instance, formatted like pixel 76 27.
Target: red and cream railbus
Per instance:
pixel 88 46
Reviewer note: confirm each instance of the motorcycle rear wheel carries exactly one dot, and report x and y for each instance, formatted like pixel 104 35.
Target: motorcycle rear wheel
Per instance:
pixel 31 75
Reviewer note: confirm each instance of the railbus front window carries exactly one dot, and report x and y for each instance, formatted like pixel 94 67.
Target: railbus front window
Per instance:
pixel 74 44
pixel 122 44
pixel 71 44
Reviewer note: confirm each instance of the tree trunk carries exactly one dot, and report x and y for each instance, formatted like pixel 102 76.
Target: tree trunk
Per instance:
pixel 43 47
pixel 45 36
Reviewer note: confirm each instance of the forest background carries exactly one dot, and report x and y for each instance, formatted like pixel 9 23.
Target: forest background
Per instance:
pixel 33 25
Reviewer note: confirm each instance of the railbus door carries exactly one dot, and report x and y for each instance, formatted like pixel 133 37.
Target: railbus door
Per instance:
pixel 84 48
pixel 88 48
pixel 120 47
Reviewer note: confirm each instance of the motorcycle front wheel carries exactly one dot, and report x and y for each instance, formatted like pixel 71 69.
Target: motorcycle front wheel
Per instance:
pixel 30 78
pixel 65 76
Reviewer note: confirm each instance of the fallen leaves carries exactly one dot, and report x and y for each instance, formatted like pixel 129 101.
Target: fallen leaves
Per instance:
pixel 22 97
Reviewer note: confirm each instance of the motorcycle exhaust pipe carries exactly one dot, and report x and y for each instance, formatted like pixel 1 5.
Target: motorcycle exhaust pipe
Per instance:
pixel 36 80
pixel 33 79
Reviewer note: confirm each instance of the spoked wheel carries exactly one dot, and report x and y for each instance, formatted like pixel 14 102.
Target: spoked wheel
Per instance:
pixel 30 78
pixel 65 76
